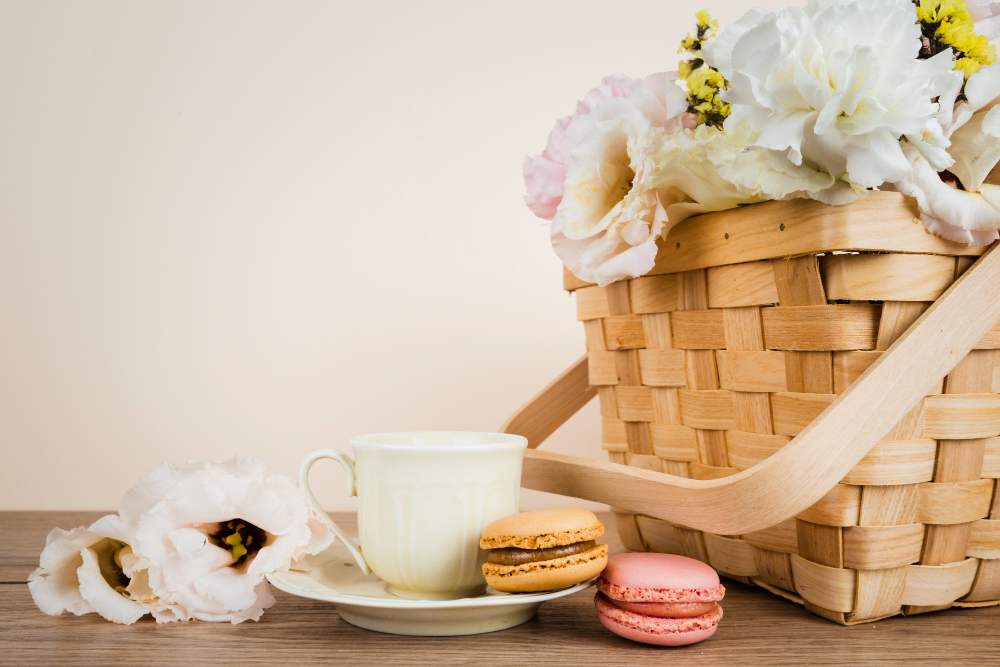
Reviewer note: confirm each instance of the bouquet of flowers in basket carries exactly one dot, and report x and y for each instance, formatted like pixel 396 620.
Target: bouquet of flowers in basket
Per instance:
pixel 828 102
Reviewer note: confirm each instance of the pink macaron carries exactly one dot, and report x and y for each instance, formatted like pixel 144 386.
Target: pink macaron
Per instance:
pixel 659 598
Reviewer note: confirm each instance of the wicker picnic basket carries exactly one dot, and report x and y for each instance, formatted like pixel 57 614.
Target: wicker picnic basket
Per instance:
pixel 740 434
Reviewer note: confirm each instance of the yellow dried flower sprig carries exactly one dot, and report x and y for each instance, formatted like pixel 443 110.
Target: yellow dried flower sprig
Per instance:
pixel 704 86
pixel 704 83
pixel 706 27
pixel 948 24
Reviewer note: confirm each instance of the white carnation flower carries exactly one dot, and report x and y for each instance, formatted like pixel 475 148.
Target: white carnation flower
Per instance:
pixel 971 214
pixel 92 569
pixel 707 169
pixel 832 87
pixel 688 165
pixel 208 533
pixel 606 225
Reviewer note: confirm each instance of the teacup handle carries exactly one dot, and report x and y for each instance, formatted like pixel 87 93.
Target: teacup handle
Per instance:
pixel 352 490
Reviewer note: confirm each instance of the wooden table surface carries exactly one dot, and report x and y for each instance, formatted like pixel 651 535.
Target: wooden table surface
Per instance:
pixel 758 629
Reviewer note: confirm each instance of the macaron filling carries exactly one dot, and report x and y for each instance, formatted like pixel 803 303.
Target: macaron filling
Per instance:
pixel 667 609
pixel 515 556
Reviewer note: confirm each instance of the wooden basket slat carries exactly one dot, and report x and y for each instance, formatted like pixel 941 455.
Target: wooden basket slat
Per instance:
pixel 891 277
pixel 736 285
pixel 822 328
pixel 881 222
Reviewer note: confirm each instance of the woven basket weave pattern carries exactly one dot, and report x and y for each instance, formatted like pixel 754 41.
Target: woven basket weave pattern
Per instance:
pixel 706 372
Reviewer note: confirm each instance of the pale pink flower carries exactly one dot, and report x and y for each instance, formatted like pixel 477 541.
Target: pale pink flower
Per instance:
pixel 545 174
pixel 610 215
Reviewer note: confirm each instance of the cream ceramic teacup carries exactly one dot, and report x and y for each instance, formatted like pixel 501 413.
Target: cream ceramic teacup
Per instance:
pixel 423 500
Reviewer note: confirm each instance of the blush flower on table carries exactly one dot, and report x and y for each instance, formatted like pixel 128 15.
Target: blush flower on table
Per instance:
pixel 191 541
pixel 93 570
pixel 216 530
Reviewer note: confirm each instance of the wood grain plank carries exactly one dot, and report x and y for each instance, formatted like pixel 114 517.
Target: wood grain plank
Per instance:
pixel 822 328
pixel 752 371
pixel 794 412
pixel 698 329
pixel 895 319
pixel 848 367
pixel 710 409
pixel 662 368
pixel 654 294
pixel 623 332
pixel 887 277
pixel 962 417
pixel 635 404
pixel 674 442
pixel 882 547
pixel 592 303
pixel 741 285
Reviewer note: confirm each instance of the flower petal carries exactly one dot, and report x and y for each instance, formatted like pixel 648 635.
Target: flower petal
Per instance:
pixel 976 147
pixel 148 491
pixel 543 178
pixel 107 602
pixel 967 217
pixel 229 587
pixel 249 467
pixel 54 585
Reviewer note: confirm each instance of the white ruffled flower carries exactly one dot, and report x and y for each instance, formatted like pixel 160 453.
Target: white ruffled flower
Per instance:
pixel 92 569
pixel 832 87
pixel 688 168
pixel 209 533
pixel 707 169
pixel 606 225
pixel 972 214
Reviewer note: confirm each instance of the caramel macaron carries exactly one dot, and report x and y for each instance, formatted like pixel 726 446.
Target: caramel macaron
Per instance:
pixel 543 550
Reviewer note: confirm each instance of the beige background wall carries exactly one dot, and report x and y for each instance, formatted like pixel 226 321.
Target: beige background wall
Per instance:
pixel 261 228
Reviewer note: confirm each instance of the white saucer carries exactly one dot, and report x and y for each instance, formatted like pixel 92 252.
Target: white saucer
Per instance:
pixel 365 601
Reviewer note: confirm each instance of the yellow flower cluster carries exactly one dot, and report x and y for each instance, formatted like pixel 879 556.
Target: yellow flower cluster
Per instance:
pixel 704 83
pixel 955 27
pixel 704 86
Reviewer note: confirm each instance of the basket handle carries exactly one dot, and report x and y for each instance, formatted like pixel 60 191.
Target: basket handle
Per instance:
pixel 809 466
